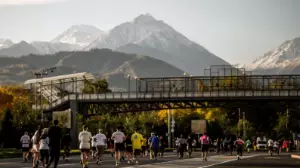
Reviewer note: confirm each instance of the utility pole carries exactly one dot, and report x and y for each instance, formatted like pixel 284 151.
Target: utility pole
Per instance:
pixel 287 118
pixel 244 126
pixel 128 86
pixel 169 129
pixel 239 121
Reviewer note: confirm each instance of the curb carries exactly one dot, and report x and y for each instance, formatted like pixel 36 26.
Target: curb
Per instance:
pixel 295 156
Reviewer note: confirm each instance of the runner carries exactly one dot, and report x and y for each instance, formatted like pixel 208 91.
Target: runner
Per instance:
pixel 44 147
pixel 276 147
pixel 85 138
pixel 110 143
pixel 248 145
pixel 66 142
pixel 94 151
pixel 128 145
pixel 161 146
pixel 144 147
pixel 239 143
pixel 100 145
pixel 154 146
pixel 35 147
pixel 204 139
pixel 182 146
pixel 54 134
pixel 25 141
pixel 270 146
pixel 136 139
pixel 119 146
pixel 189 146
pixel 177 144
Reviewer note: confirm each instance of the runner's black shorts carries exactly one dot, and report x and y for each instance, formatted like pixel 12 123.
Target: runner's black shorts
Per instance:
pixel 119 147
pixel 205 148
pixel 144 148
pixel 270 147
pixel 24 149
pixel 136 152
pixel 239 149
pixel 94 148
pixel 85 150
pixel 129 149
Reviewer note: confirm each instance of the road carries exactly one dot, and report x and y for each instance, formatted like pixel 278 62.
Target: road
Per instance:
pixel 252 160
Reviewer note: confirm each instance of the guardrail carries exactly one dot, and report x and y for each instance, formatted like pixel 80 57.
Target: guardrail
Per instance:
pixel 121 96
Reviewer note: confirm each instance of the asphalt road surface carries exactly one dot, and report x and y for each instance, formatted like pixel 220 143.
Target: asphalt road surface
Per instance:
pixel 170 160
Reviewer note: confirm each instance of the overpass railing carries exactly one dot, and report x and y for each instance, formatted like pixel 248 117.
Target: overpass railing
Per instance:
pixel 127 96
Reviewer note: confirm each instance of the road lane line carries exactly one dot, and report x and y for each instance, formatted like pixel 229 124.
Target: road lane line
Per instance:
pixel 227 161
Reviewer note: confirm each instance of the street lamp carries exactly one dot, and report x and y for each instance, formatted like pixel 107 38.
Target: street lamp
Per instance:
pixel 136 86
pixel 173 127
pixel 128 90
pixel 185 75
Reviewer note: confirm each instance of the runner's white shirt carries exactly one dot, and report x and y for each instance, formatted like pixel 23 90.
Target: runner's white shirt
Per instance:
pixel 270 142
pixel 100 139
pixel 25 140
pixel 118 137
pixel 85 138
pixel 276 144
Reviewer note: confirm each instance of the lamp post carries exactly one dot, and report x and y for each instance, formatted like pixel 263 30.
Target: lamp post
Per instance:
pixel 185 75
pixel 128 90
pixel 173 128
pixel 136 85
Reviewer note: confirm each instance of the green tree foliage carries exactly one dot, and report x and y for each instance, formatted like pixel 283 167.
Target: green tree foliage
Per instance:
pixel 94 87
pixel 7 128
pixel 281 127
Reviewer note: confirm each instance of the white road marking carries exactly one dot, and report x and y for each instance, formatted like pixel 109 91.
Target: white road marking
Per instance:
pixel 215 164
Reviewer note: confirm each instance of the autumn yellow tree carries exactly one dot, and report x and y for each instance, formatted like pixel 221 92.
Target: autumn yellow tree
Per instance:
pixel 17 99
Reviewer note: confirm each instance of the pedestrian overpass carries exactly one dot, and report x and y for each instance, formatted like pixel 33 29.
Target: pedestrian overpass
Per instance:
pixel 63 92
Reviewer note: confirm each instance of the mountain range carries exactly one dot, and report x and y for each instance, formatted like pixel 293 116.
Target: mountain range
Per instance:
pixel 145 42
pixel 144 35
pixel 105 63
pixel 284 59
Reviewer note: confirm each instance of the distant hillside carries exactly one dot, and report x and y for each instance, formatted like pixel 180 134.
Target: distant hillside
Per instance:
pixel 114 66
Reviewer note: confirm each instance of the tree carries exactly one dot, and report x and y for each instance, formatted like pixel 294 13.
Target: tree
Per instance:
pixel 281 128
pixel 62 117
pixel 7 128
pixel 96 87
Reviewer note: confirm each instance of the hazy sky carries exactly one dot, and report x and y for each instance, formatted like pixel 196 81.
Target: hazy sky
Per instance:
pixel 236 30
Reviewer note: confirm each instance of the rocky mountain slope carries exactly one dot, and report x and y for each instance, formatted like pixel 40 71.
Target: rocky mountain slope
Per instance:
pixel 147 36
pixel 5 43
pixel 281 60
pixel 81 35
pixel 114 66
pixel 144 35
pixel 19 49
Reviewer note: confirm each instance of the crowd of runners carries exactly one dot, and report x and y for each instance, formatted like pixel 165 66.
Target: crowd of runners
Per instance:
pixel 45 145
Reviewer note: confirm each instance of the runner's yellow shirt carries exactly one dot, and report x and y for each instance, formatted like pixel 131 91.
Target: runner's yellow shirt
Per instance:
pixel 137 139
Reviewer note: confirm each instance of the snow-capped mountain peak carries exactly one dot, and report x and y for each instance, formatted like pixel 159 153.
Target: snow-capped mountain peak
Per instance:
pixel 278 57
pixel 81 35
pixel 143 29
pixel 144 18
pixel 5 43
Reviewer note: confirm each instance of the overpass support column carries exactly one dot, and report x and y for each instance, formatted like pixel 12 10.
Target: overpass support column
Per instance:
pixel 74 130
